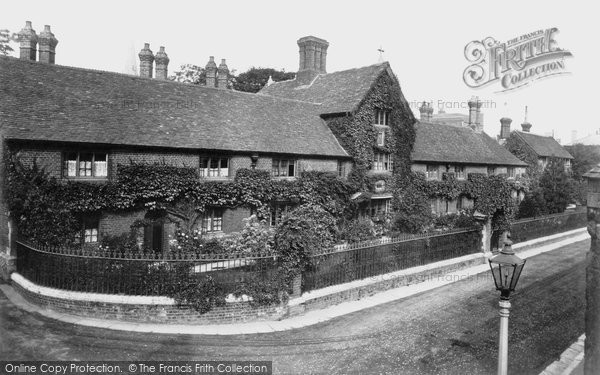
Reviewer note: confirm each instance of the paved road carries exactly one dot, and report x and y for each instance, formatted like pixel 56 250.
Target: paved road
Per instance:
pixel 450 330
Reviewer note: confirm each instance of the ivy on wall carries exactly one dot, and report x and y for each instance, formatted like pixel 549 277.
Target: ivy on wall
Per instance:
pixel 47 210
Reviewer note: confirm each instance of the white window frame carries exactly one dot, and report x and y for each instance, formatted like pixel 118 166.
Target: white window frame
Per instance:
pixel 72 168
pixel 212 167
pixel 381 137
pixel 382 117
pixel 432 172
pixel 511 172
pixel 382 162
pixel 212 220
pixel 281 168
pixel 459 172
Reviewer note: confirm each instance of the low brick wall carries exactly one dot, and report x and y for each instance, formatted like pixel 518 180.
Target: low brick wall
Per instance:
pixel 163 309
pixel 233 312
pixel 383 283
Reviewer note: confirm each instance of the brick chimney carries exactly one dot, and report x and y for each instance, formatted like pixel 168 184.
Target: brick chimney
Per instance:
pixel 505 127
pixel 223 76
pixel 47 46
pixel 146 61
pixel 475 115
pixel 28 41
pixel 526 127
pixel 162 64
pixel 313 58
pixel 211 72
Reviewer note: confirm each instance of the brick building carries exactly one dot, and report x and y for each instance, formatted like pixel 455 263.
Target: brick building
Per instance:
pixel 82 125
pixel 535 150
pixel 446 148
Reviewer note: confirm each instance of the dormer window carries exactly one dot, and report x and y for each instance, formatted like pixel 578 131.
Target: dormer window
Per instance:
pixel 382 117
pixel 85 165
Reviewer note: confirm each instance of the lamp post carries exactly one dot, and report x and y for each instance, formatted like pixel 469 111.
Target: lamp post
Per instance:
pixel 592 290
pixel 506 268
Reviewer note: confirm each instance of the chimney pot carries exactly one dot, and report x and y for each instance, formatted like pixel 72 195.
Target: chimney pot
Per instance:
pixel 505 127
pixel 211 72
pixel 47 46
pixel 223 75
pixel 146 61
pixel 28 41
pixel 313 58
pixel 162 64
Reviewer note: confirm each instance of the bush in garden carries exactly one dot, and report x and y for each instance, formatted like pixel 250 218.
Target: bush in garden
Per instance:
pixel 357 231
pixel 305 229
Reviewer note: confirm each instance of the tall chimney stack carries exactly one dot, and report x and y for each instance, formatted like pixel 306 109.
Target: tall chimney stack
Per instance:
pixel 505 127
pixel 211 72
pixel 526 126
pixel 475 115
pixel 28 41
pixel 146 61
pixel 162 64
pixel 223 76
pixel 47 45
pixel 313 58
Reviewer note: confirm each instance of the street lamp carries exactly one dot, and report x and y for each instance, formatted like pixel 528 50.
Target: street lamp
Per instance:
pixel 506 268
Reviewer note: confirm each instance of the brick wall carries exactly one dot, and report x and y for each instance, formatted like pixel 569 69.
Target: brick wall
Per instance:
pixel 115 223
pixel 233 312
pixel 50 159
pixel 232 219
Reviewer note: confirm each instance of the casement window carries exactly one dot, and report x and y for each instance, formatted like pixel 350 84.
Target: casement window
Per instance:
pixel 89 230
pixel 278 209
pixel 382 117
pixel 459 172
pixel 341 169
pixel 380 206
pixel 283 168
pixel 459 203
pixel 382 162
pixel 212 220
pixel 85 165
pixel 491 171
pixel 214 167
pixel 510 171
pixel 432 172
pixel 381 137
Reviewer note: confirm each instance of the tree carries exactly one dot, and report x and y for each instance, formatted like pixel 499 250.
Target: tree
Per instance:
pixel 256 78
pixel 556 186
pixel 5 48
pixel 585 158
pixel 189 73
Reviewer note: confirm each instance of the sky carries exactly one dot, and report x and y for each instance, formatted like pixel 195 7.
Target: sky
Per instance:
pixel 424 42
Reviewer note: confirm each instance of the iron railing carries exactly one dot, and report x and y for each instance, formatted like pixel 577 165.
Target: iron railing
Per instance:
pixel 531 228
pixel 135 273
pixel 364 260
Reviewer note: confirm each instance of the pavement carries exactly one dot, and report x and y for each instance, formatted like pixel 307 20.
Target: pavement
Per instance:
pixel 570 362
pixel 525 250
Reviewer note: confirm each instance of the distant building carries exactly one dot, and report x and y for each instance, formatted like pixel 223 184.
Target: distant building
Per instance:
pixel 460 150
pixel 589 140
pixel 534 149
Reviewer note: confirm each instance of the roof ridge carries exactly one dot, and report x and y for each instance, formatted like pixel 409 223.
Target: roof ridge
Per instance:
pixel 148 79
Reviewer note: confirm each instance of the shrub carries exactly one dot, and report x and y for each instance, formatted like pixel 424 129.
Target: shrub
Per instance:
pixel 357 230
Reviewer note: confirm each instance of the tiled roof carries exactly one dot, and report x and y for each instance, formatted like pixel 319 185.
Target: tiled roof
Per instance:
pixel 336 92
pixel 544 146
pixel 57 103
pixel 444 143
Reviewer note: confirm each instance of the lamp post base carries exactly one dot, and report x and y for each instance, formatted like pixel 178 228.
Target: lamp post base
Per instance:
pixel 503 341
